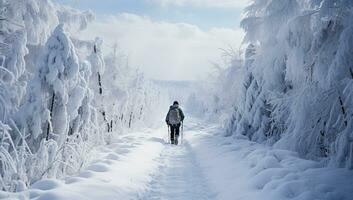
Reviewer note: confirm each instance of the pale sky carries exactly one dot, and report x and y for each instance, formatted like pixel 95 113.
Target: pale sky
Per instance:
pixel 166 39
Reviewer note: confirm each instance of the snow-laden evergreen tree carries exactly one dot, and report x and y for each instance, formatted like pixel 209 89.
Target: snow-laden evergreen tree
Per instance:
pixel 54 105
pixel 48 96
pixel 99 90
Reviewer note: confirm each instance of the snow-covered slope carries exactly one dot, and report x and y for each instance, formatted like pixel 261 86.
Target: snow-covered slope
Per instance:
pixel 242 169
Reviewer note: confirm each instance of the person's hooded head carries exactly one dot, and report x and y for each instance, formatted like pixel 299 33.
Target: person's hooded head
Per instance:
pixel 175 104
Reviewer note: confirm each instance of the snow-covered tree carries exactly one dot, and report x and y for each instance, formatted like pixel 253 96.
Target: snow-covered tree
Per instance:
pixel 48 97
pixel 52 100
pixel 296 86
pixel 132 99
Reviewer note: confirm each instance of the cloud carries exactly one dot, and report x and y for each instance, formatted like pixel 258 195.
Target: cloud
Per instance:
pixel 204 3
pixel 164 50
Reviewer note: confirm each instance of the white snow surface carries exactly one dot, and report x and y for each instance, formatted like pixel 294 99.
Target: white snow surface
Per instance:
pixel 143 165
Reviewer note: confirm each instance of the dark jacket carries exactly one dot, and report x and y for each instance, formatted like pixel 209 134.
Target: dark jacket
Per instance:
pixel 182 116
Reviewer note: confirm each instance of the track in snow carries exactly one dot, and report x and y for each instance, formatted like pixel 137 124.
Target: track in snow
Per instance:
pixel 178 177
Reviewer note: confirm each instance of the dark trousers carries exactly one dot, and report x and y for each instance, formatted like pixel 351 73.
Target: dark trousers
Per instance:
pixel 174 129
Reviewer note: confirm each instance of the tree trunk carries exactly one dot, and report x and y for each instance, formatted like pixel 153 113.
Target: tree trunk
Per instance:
pixel 100 84
pixel 130 120
pixel 51 114
pixel 343 110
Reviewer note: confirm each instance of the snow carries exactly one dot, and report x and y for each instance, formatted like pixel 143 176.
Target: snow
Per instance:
pixel 178 176
pixel 274 121
pixel 289 84
pixel 56 101
pixel 241 169
pixel 143 165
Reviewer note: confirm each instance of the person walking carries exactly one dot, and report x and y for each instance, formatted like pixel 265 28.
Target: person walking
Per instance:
pixel 174 119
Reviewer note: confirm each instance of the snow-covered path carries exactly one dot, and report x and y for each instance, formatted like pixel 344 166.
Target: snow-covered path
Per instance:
pixel 140 165
pixel 178 176
pixel 143 166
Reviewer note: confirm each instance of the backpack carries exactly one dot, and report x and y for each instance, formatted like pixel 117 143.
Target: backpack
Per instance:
pixel 174 116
